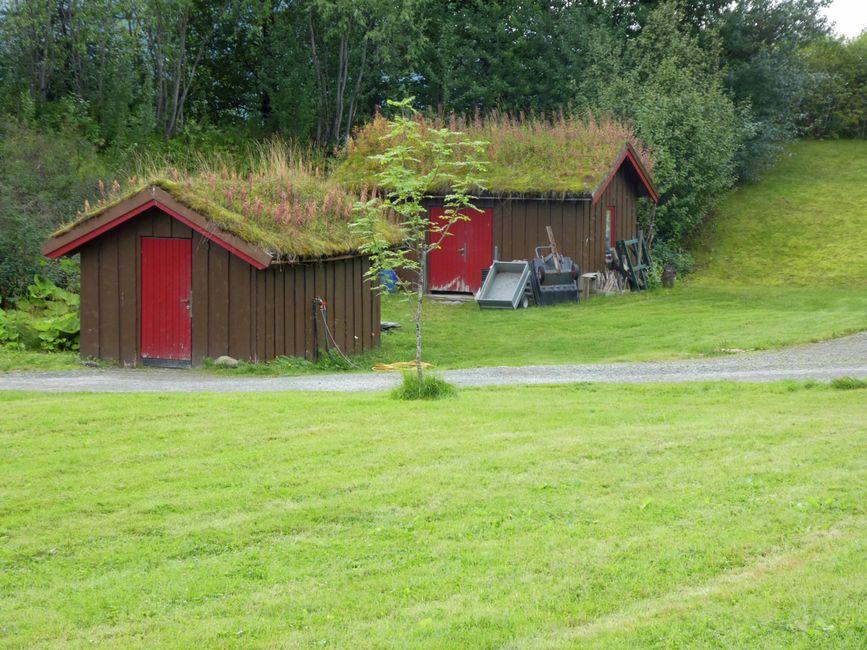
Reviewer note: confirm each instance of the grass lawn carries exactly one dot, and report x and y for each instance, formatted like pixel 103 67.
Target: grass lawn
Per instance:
pixel 11 359
pixel 702 515
pixel 664 324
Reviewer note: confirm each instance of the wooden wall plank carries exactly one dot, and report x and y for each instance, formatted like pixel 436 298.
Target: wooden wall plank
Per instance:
pixel 376 312
pixel 349 316
pixel 270 330
pixel 199 303
pixel 289 311
pixel 335 300
pixel 341 303
pixel 180 230
pixel 89 308
pixel 300 311
pixel 358 308
pixel 367 307
pixel 162 223
pixel 320 292
pixel 260 298
pixel 128 294
pixel 218 302
pixel 309 293
pixel 109 323
pixel 279 273
pixel 239 321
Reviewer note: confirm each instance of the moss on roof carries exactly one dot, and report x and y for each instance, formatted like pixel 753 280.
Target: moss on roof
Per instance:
pixel 282 206
pixel 566 155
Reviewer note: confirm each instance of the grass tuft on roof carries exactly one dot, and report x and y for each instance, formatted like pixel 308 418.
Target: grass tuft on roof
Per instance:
pixel 280 202
pixel 566 154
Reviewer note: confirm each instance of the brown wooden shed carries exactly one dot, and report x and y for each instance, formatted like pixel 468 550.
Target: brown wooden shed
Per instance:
pixel 584 178
pixel 585 224
pixel 163 284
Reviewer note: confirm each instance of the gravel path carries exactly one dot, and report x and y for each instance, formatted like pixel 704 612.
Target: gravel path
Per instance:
pixel 821 361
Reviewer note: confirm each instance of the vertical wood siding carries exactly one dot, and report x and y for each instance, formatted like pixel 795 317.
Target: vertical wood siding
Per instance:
pixel 236 309
pixel 579 226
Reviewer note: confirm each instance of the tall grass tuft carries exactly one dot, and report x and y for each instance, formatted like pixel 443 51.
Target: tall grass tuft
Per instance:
pixel 848 383
pixel 431 387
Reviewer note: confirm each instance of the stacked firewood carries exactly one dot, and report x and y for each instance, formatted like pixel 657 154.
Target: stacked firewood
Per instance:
pixel 611 281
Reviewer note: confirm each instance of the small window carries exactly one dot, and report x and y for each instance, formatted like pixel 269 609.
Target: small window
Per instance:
pixel 610 226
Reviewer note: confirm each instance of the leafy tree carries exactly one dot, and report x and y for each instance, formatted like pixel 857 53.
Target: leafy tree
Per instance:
pixel 417 160
pixel 762 41
pixel 671 87
pixel 837 104
pixel 45 177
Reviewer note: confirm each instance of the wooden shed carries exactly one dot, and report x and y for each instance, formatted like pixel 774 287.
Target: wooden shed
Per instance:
pixel 165 284
pixel 586 224
pixel 583 178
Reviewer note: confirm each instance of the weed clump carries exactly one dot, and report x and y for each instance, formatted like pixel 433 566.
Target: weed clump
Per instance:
pixel 430 387
pixel 848 383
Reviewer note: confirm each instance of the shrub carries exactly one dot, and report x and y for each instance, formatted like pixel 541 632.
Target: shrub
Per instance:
pixel 848 383
pixel 44 178
pixel 430 387
pixel 46 319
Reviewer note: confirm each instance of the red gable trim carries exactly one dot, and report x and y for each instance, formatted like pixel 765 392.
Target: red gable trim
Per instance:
pixel 114 223
pixel 214 238
pixel 627 154
pixel 76 243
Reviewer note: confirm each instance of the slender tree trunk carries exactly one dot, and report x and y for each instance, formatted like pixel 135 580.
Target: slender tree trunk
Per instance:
pixel 350 118
pixel 340 92
pixel 169 129
pixel 320 82
pixel 418 305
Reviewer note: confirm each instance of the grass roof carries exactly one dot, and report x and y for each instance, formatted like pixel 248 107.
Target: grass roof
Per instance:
pixel 525 155
pixel 280 203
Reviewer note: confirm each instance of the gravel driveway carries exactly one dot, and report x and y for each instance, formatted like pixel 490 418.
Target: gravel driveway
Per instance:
pixel 822 361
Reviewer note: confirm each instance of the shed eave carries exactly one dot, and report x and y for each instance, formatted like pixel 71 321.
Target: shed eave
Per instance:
pixel 152 197
pixel 627 154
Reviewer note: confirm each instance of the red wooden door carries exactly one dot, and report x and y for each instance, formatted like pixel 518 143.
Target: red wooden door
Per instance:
pixel 469 248
pixel 166 284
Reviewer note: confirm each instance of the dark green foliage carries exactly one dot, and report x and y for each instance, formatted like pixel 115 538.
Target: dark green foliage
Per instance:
pixel 45 319
pixel 45 176
pixel 848 383
pixel 762 41
pixel 837 104
pixel 429 387
pixel 672 89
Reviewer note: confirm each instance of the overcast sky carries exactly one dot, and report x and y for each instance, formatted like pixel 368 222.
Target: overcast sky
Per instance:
pixel 850 16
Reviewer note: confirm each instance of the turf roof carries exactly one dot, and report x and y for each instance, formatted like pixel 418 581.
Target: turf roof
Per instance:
pixel 536 156
pixel 290 213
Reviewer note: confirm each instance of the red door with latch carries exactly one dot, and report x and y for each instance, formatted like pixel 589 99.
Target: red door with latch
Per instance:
pixel 166 291
pixel 456 267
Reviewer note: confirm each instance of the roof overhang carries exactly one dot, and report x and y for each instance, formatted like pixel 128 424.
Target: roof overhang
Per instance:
pixel 628 155
pixel 70 241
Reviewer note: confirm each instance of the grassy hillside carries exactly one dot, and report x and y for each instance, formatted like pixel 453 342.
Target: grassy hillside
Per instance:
pixel 545 517
pixel 804 224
